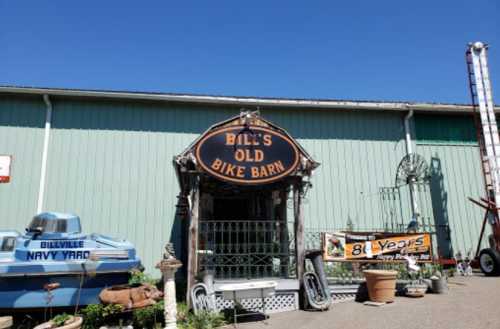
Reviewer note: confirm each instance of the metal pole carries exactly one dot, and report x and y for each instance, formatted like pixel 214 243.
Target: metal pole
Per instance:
pixel 46 138
pixel 409 150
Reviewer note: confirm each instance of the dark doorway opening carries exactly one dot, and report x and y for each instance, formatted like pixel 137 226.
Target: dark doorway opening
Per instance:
pixel 245 233
pixel 231 208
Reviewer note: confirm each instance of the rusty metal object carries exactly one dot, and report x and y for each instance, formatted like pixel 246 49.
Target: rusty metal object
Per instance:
pixel 131 297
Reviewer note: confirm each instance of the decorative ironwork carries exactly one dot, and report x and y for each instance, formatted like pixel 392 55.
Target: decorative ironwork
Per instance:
pixel 395 205
pixel 246 248
pixel 391 208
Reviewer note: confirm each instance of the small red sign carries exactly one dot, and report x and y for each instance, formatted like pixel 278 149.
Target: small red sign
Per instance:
pixel 5 163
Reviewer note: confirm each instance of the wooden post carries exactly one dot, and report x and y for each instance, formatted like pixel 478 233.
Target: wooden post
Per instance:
pixel 299 229
pixel 193 241
pixel 284 236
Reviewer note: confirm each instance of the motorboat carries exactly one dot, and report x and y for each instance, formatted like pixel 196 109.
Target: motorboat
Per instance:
pixel 53 264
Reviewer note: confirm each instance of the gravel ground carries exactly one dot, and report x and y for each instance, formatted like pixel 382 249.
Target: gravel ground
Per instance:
pixel 471 303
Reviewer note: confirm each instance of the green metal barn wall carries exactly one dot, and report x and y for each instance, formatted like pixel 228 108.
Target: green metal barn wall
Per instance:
pixel 111 163
pixel 358 152
pixel 21 135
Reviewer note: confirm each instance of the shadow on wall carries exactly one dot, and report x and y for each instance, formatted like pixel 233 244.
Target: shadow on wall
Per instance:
pixel 179 238
pixel 439 198
pixel 178 233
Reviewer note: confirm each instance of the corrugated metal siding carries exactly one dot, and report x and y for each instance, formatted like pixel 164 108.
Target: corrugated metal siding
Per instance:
pixel 358 152
pixel 449 144
pixel 21 135
pixel 111 163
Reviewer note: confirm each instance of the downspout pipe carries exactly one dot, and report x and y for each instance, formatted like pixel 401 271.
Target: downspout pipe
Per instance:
pixel 46 138
pixel 409 150
pixel 407 118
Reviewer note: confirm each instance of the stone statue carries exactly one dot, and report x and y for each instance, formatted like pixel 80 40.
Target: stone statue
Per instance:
pixel 169 253
pixel 168 266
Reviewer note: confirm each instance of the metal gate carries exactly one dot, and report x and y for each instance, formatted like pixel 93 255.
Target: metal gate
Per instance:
pixel 237 249
pixel 396 208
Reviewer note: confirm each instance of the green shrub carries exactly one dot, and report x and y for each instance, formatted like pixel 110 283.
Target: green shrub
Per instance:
pixel 138 277
pixel 96 315
pixel 203 320
pixel 149 317
pixel 60 319
pixel 182 312
pixel 152 317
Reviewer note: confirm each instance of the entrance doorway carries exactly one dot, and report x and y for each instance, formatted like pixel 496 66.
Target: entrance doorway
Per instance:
pixel 236 180
pixel 244 234
pixel 231 208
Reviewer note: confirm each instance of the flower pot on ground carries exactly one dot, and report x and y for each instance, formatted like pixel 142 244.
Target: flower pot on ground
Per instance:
pixel 381 285
pixel 62 321
pixel 428 283
pixel 415 290
pixel 439 284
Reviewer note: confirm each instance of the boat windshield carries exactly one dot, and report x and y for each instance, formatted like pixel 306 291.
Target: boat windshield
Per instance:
pixel 8 244
pixel 48 226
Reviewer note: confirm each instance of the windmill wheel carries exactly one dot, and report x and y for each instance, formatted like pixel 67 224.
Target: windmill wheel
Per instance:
pixel 412 169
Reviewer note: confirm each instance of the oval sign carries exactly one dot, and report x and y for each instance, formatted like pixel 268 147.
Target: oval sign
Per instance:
pixel 254 155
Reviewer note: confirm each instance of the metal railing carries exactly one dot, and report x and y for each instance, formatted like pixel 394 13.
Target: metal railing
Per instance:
pixel 236 249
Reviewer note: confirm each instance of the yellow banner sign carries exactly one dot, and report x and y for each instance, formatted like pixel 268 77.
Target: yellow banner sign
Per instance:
pixel 340 246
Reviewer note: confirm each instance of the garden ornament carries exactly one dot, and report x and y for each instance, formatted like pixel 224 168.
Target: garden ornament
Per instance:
pixel 411 262
pixel 169 253
pixel 463 264
pixel 131 297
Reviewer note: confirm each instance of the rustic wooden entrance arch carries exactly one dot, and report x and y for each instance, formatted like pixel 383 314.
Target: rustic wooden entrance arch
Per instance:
pixel 243 153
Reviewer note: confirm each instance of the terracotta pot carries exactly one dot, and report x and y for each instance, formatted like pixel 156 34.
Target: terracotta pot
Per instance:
pixel 5 322
pixel 76 324
pixel 381 285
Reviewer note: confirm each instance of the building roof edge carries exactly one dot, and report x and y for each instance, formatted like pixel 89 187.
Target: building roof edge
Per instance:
pixel 245 101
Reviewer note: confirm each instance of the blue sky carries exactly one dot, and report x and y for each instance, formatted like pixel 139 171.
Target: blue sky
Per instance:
pixel 365 50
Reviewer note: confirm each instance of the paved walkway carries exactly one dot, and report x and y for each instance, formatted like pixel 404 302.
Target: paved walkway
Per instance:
pixel 471 303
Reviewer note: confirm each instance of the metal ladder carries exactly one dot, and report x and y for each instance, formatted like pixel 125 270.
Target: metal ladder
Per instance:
pixel 484 117
pixel 488 139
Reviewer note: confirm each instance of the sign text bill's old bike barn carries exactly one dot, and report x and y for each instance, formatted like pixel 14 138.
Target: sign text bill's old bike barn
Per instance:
pixel 247 155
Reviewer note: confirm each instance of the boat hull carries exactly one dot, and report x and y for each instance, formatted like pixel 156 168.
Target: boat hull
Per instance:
pixel 27 291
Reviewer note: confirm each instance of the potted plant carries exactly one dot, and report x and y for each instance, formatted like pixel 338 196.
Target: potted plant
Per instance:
pixel 62 321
